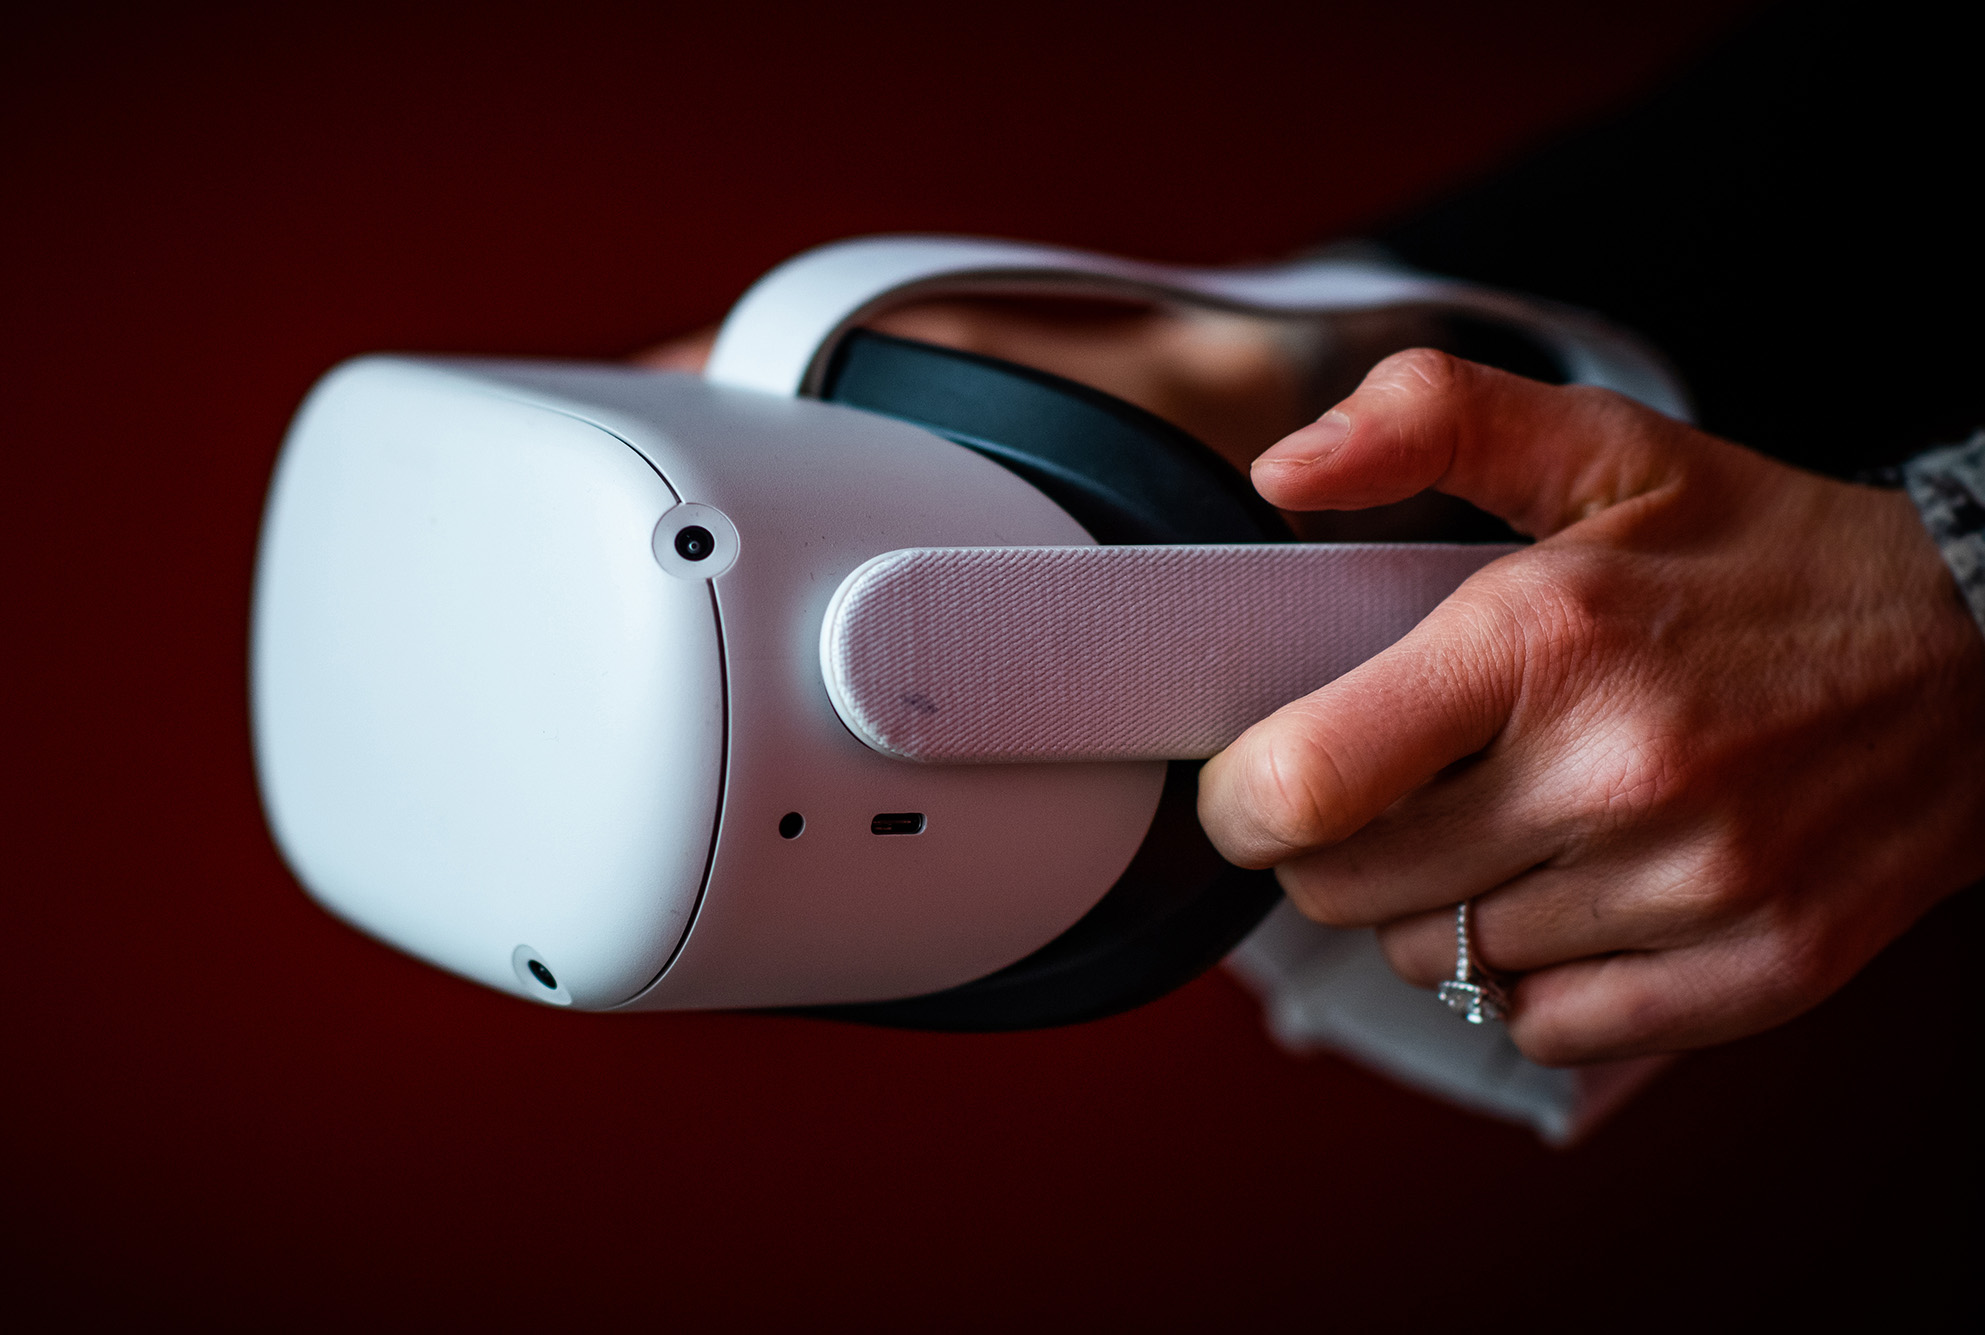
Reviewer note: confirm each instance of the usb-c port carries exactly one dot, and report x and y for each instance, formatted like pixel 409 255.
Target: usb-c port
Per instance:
pixel 897 822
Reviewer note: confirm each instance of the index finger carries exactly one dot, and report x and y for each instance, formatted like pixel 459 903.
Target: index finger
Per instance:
pixel 1540 456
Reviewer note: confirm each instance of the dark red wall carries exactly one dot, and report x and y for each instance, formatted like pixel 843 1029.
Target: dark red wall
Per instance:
pixel 219 1101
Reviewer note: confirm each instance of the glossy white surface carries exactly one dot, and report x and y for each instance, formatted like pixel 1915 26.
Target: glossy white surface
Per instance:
pixel 1010 856
pixel 487 717
pixel 483 715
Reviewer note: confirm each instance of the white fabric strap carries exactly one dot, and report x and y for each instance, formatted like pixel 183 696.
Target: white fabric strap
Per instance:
pixel 987 655
pixel 782 333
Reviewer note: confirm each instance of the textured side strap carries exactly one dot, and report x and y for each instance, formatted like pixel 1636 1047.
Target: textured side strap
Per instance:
pixel 974 655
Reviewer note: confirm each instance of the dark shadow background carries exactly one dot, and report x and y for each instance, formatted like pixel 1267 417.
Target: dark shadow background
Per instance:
pixel 221 1104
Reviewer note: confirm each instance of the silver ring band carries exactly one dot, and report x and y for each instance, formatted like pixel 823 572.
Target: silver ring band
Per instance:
pixel 1471 993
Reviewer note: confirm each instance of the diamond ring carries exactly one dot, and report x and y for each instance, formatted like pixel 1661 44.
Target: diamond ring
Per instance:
pixel 1471 994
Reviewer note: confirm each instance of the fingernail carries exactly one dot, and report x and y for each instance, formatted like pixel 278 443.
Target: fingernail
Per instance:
pixel 1312 443
pixel 1330 430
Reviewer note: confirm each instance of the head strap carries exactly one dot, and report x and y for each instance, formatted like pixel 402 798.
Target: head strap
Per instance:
pixel 782 334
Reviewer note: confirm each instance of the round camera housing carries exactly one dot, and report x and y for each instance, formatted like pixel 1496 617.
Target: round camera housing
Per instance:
pixel 693 541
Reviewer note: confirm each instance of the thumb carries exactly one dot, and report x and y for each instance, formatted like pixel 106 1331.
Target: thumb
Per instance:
pixel 1540 457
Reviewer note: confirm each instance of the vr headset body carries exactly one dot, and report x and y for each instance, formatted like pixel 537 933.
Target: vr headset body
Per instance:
pixel 586 682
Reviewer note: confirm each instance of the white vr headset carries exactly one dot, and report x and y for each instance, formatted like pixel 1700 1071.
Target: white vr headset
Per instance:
pixel 857 675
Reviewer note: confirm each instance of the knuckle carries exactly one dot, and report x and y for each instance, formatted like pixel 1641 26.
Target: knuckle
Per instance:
pixel 1605 408
pixel 1549 1044
pixel 1570 603
pixel 1291 780
pixel 1705 884
pixel 1319 898
pixel 1545 1043
pixel 1551 619
pixel 1562 1035
pixel 1627 747
pixel 1311 900
pixel 1405 950
pixel 1611 415
pixel 1597 1011
pixel 1792 970
pixel 1421 371
pixel 1637 769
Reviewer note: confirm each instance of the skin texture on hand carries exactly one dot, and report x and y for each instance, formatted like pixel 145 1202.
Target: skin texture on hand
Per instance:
pixel 1702 750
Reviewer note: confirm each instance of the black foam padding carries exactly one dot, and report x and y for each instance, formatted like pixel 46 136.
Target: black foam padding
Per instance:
pixel 1124 474
pixel 1128 477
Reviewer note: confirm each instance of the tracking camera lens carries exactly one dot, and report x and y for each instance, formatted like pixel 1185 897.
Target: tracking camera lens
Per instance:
pixel 543 975
pixel 694 543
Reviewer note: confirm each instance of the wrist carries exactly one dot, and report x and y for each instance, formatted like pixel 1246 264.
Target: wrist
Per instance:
pixel 1947 487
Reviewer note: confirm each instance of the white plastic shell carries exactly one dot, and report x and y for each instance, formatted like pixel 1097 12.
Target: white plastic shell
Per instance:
pixel 486 717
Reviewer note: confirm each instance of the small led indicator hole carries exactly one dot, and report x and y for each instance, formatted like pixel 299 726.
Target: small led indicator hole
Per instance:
pixel 791 824
pixel 537 979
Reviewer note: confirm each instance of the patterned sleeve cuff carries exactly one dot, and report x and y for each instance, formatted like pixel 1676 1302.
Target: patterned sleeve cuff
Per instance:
pixel 1948 486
